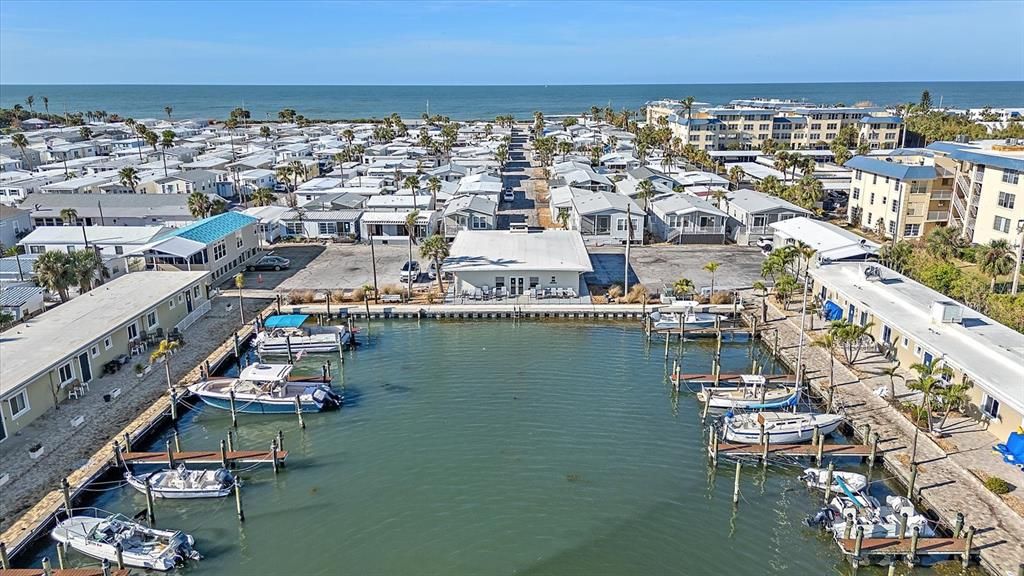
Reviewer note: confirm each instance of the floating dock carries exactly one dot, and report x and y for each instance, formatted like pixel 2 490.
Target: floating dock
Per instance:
pixel 205 457
pixel 885 548
pixel 804 450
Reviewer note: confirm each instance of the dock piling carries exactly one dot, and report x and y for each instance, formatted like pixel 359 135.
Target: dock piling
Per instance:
pixel 223 454
pixel 910 483
pixel 858 544
pixel 149 504
pixel 847 526
pixel 238 355
pixel 177 441
pixel 736 484
pixel 967 546
pixel 764 449
pixel 821 449
pixel 118 461
pixel 65 488
pixel 273 454
pixel 127 442
pixel 174 405
pixel 119 550
pixel 238 502
pixel 298 412
pixel 667 337
pixel 828 480
pixel 105 567
pixel 170 454
pixel 903 526
pixel 231 440
pixel 234 414
pixel 4 561
pixel 280 439
pixel 866 434
pixel 913 446
pixel 61 555
pixel 46 566
pixel 912 557
pixel 288 346
pixel 958 528
pixel 714 446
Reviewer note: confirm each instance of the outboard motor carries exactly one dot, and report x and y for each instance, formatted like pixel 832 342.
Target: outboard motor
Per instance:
pixel 823 518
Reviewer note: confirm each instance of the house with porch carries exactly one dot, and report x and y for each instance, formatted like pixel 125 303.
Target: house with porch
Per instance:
pixel 324 224
pixel 601 217
pixel 687 219
pixel 389 227
pixel 468 212
pixel 220 244
pixel 751 213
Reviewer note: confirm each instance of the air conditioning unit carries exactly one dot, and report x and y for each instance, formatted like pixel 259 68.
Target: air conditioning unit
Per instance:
pixel 947 312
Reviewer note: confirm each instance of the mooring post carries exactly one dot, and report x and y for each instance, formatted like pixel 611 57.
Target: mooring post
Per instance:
pixel 118 459
pixel 46 566
pixel 914 535
pixel 913 478
pixel 127 442
pixel 119 550
pixel 341 350
pixel 273 454
pixel 847 526
pixel 323 373
pixel 223 454
pixel 174 405
pixel 4 561
pixel 231 440
pixel 238 355
pixel 170 454
pixel 913 446
pixel 828 480
pixel 831 394
pixel 707 407
pixel 105 567
pixel 207 364
pixel 238 502
pixel 280 439
pixel 814 435
pixel 714 446
pixel 958 528
pixel 667 336
pixel 234 414
pixel 177 441
pixel 857 545
pixel 968 545
pixel 736 484
pixel 760 434
pixel 65 488
pixel 149 506
pixel 874 450
pixel 903 526
pixel 61 555
pixel 288 346
pixel 821 448
pixel 764 449
pixel 866 434
pixel 298 412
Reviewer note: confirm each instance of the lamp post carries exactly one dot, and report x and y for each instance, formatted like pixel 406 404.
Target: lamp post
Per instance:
pixel 1020 254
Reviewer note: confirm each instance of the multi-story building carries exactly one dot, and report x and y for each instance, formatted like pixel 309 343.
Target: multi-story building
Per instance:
pixel 900 196
pixel 988 187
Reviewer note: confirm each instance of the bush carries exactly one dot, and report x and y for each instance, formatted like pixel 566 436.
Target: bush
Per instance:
pixel 301 296
pixel 721 298
pixel 433 296
pixel 637 294
pixel 916 414
pixel 997 485
pixel 357 295
pixel 392 289
pixel 614 291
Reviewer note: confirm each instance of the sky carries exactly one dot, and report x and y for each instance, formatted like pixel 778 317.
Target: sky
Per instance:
pixel 508 42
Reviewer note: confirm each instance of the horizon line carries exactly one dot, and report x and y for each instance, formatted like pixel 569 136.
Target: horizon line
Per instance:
pixel 518 85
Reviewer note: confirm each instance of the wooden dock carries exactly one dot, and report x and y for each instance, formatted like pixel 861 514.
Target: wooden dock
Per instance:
pixel 874 547
pixel 63 572
pixel 205 457
pixel 737 379
pixel 805 450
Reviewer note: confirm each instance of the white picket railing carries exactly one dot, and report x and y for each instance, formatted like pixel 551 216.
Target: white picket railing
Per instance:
pixel 194 315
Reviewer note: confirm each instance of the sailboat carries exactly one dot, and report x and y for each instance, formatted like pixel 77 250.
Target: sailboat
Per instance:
pixel 752 393
pixel 779 427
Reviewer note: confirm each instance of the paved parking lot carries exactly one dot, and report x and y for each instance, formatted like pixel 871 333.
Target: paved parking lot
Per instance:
pixel 657 266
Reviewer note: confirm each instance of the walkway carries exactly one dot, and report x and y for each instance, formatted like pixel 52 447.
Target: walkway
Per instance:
pixel 944 482
pixel 517 176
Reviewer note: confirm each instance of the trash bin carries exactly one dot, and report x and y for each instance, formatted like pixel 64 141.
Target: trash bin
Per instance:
pixel 106 397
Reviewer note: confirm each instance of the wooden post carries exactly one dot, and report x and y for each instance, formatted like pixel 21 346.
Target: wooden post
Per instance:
pixel 958 528
pixel 903 526
pixel 288 346
pixel 273 454
pixel 714 446
pixel 105 567
pixel 866 434
pixel 170 454
pixel 127 442
pixel 707 406
pixel 914 535
pixel 65 488
pixel 5 563
pixel 298 412
pixel 61 555
pixel 828 480
pixel 967 546
pixel 821 448
pixel 174 405
pixel 223 454
pixel 207 371
pixel 149 505
pixel 874 450
pixel 913 446
pixel 667 336
pixel 764 448
pixel 831 394
pixel 847 527
pixel 736 484
pixel 857 545
pixel 238 502
pixel 231 440
pixel 341 351
pixel 913 478
pixel 46 567
pixel 814 435
pixel 238 355
pixel 177 441
pixel 280 440
pixel 119 550
pixel 760 434
pixel 234 414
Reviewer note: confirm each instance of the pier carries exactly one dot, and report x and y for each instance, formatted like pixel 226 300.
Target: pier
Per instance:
pixel 795 450
pixel 732 379
pixel 65 572
pixel 205 457
pixel 880 548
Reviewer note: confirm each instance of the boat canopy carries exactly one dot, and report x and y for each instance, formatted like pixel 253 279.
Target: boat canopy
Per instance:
pixel 266 372
pixel 285 321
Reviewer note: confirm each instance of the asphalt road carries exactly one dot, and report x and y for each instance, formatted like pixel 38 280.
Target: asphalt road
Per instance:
pixel 658 266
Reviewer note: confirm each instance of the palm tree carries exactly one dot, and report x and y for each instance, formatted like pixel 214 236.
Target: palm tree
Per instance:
pixel 284 175
pixel 827 342
pixel 996 260
pixel 563 218
pixel 892 372
pixel 436 248
pixel 735 176
pixel 83 266
pixel 930 378
pixel 128 176
pixel 564 147
pixel 410 228
pixel 30 100
pixel 164 352
pixel 348 135
pixel 687 104
pixel 166 141
pixel 412 183
pixel 851 337
pixel 21 143
pixel 943 242
pixel 239 284
pixel 151 139
pixel 85 132
pixel 682 288
pixel 763 289
pixel 769 185
pixel 46 104
pixel 199 205
pixel 434 186
pixel 954 397
pixel 298 169
pixel 168 110
pixel 263 197
pixel 69 216
pixel 712 267
pixel 265 132
pixel 53 272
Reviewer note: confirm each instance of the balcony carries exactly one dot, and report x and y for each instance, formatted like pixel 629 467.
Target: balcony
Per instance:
pixel 937 216
pixel 945 195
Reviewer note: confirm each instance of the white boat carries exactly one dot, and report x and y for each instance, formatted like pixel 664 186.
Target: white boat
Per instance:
pixel 141 546
pixel 816 478
pixel 266 389
pixel 753 393
pixel 682 312
pixel 184 483
pixel 877 520
pixel 779 427
pixel 282 333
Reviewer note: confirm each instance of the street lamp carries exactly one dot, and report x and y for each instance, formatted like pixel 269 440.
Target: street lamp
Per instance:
pixel 1020 254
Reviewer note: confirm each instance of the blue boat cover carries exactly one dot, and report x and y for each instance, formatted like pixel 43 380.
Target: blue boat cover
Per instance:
pixel 833 311
pixel 285 321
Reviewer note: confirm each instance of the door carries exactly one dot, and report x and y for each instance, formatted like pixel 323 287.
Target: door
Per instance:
pixel 83 362
pixel 886 334
pixel 188 301
pixel 850 313
pixel 515 286
pixel 928 358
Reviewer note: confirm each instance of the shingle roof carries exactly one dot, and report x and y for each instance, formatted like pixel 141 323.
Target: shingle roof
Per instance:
pixel 213 228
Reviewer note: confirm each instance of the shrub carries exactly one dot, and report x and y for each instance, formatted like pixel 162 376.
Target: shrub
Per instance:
pixel 637 294
pixel 997 485
pixel 614 291
pixel 721 298
pixel 301 296
pixel 392 289
pixel 433 296
pixel 357 295
pixel 916 414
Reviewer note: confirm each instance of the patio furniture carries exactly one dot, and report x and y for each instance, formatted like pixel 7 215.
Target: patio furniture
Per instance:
pixel 538 293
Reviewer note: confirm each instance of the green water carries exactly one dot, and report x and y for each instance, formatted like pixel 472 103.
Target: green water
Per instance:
pixel 487 447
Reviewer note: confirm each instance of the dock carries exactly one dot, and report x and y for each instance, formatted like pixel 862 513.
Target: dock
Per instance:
pixel 737 379
pixel 205 457
pixel 801 450
pixel 64 572
pixel 886 547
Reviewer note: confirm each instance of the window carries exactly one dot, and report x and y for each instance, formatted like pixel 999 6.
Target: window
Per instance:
pixel 94 351
pixel 857 174
pixel 872 198
pixel 553 281
pixel 133 331
pixel 906 342
pixel 327 228
pixel 479 222
pixel 917 351
pixel 293 228
pixel 36 249
pixel 18 404
pixel 195 291
pixel 151 319
pixel 1011 176
pixel 895 205
pixel 170 303
pixel 918 187
pixel 219 250
pixel 238 240
pixel 499 281
pixel 181 298
pixel 912 230
pixel 892 227
pixel 874 178
pixel 65 373
pixel 534 281
pixel 1006 200
pixel 1002 224
pixel 108 343
pixel 990 406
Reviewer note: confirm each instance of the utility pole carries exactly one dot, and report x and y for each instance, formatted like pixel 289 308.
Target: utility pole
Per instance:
pixel 800 346
pixel 1020 254
pixel 629 237
pixel 373 263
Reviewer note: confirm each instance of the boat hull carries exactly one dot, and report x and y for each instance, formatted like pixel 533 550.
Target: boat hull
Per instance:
pixel 783 436
pixel 772 401
pixel 72 532
pixel 158 491
pixel 268 406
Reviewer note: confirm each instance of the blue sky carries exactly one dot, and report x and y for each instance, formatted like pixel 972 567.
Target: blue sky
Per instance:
pixel 507 42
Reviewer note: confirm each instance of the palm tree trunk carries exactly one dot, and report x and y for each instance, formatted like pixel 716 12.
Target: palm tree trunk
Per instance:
pixel 408 291
pixel 167 370
pixel 440 284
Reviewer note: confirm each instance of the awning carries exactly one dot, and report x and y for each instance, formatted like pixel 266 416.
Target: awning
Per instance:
pixel 285 321
pixel 173 246
pixel 833 311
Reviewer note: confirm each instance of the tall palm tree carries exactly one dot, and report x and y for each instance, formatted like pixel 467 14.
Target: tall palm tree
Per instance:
pixel 713 268
pixel 239 285
pixel 412 183
pixel 954 397
pixel 348 135
pixel 687 104
pixel 46 104
pixel 284 175
pixel 151 139
pixel 69 216
pixel 30 100
pixel 129 177
pixel 163 352
pixel 263 197
pixel 166 141
pixel 434 186
pixel 436 248
pixel 53 272
pixel 21 143
pixel 84 265
pixel 930 378
pixel 85 132
pixel 168 110
pixel 997 260
pixel 410 229
pixel 298 169
pixel 199 205
pixel 943 242
pixel 735 176
pixel 892 372
pixel 763 289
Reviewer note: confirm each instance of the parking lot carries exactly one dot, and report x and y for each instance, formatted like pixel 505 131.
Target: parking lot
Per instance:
pixel 658 266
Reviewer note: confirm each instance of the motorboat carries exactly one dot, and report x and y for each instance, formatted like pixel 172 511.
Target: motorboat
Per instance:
pixel 266 389
pixel 752 393
pixel 817 477
pixel 285 332
pixel 184 483
pixel 681 312
pixel 779 427
pixel 141 546
pixel 847 509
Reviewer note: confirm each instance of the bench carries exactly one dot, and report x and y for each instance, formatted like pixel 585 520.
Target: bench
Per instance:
pixel 391 298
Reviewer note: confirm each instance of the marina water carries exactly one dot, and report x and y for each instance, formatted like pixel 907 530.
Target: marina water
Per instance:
pixel 477 102
pixel 494 447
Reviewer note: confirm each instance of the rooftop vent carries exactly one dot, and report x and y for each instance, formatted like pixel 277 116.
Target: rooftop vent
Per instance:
pixel 872 272
pixel 946 312
pixel 519 228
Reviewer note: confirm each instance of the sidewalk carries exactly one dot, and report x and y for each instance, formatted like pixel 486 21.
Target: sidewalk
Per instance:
pixel 944 481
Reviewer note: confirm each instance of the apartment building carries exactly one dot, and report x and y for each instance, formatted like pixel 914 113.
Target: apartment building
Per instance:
pixel 901 196
pixel 988 187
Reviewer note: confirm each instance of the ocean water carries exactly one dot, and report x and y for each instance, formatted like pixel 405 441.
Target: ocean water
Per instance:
pixel 487 447
pixel 475 102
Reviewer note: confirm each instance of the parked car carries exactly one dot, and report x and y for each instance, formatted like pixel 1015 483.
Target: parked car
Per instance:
pixel 509 195
pixel 432 270
pixel 270 262
pixel 410 269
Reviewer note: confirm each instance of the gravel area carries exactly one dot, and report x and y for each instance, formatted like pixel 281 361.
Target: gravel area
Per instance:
pixel 660 265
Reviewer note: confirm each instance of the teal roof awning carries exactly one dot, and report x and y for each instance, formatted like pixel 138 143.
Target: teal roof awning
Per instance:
pixel 285 321
pixel 214 228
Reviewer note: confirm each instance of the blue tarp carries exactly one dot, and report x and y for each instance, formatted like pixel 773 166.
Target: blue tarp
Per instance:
pixel 1013 449
pixel 833 311
pixel 285 321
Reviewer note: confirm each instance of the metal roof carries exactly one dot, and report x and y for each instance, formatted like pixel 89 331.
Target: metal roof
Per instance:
pixel 214 228
pixel 891 169
pixel 17 295
pixel 505 251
